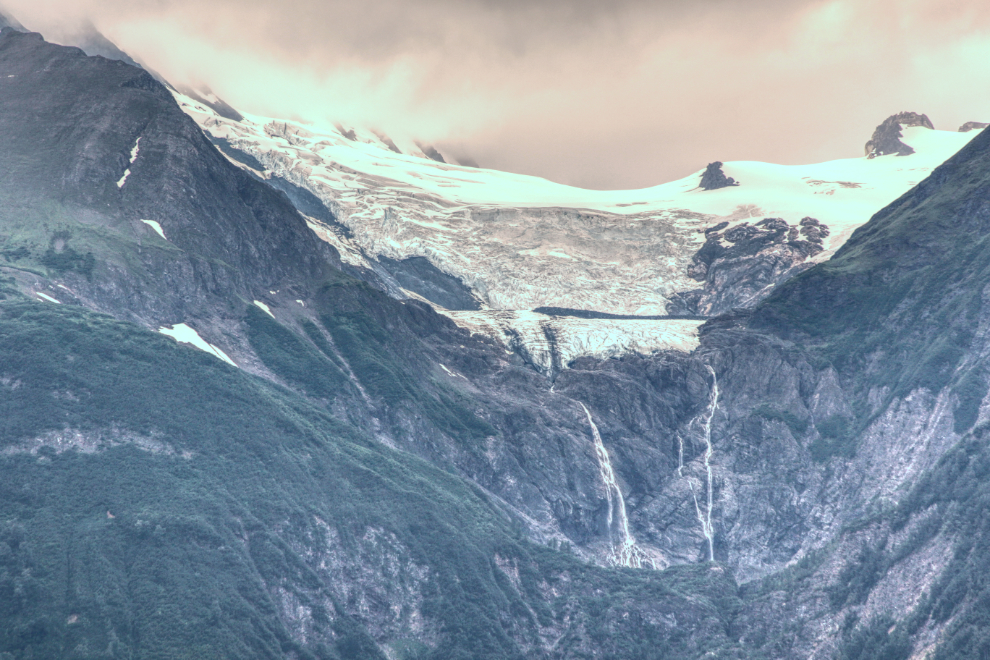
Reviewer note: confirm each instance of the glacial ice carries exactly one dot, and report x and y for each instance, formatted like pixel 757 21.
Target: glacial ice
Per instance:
pixel 551 342
pixel 522 242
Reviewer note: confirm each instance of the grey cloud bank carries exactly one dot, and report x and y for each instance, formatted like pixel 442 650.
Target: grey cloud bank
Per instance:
pixel 620 95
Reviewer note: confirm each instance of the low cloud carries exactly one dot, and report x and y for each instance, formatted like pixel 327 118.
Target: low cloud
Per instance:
pixel 608 95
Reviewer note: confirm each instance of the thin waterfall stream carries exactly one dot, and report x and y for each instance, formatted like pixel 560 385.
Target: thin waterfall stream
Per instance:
pixel 628 553
pixel 705 517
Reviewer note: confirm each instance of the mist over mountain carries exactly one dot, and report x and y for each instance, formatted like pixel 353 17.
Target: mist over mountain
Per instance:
pixel 598 96
pixel 272 390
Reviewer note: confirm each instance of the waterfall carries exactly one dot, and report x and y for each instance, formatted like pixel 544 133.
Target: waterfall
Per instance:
pixel 705 518
pixel 627 554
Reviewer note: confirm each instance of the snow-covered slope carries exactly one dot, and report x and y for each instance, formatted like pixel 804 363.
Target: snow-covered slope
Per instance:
pixel 521 242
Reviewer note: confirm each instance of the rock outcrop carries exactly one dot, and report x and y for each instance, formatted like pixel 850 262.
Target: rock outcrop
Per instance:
pixel 973 126
pixel 714 178
pixel 887 138
pixel 109 144
pixel 741 266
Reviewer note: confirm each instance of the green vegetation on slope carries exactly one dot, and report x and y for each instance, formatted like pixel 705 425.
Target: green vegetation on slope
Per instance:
pixel 156 502
pixel 383 367
pixel 289 356
pixel 951 499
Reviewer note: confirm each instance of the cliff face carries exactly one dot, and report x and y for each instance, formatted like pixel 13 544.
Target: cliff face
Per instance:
pixel 377 481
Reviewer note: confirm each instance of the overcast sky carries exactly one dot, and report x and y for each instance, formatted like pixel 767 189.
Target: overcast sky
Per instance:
pixel 617 94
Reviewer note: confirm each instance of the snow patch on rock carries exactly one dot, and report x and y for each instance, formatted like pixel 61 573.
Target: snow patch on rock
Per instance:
pixel 183 334
pixel 127 172
pixel 157 227
pixel 265 308
pixel 45 296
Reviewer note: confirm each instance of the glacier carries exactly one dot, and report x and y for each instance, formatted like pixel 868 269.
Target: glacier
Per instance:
pixel 521 242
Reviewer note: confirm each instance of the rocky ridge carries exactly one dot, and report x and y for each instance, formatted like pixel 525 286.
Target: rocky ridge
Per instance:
pixel 756 259
pixel 973 126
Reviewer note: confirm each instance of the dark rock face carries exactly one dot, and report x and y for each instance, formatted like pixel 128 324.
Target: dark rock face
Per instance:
pixel 388 142
pixel 973 126
pixel 714 178
pixel 741 266
pixel 418 275
pixel 218 105
pixel 431 152
pixel 589 314
pixel 886 138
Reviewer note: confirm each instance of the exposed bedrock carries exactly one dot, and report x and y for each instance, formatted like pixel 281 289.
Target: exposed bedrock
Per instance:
pixel 973 126
pixel 887 137
pixel 714 178
pixel 740 267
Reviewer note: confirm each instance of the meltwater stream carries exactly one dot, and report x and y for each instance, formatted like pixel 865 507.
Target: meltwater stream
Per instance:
pixel 627 554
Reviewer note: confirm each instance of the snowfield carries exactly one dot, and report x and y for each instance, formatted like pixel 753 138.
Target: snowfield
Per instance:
pixel 522 242
pixel 263 307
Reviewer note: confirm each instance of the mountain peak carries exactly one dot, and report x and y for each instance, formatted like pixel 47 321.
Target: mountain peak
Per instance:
pixel 886 138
